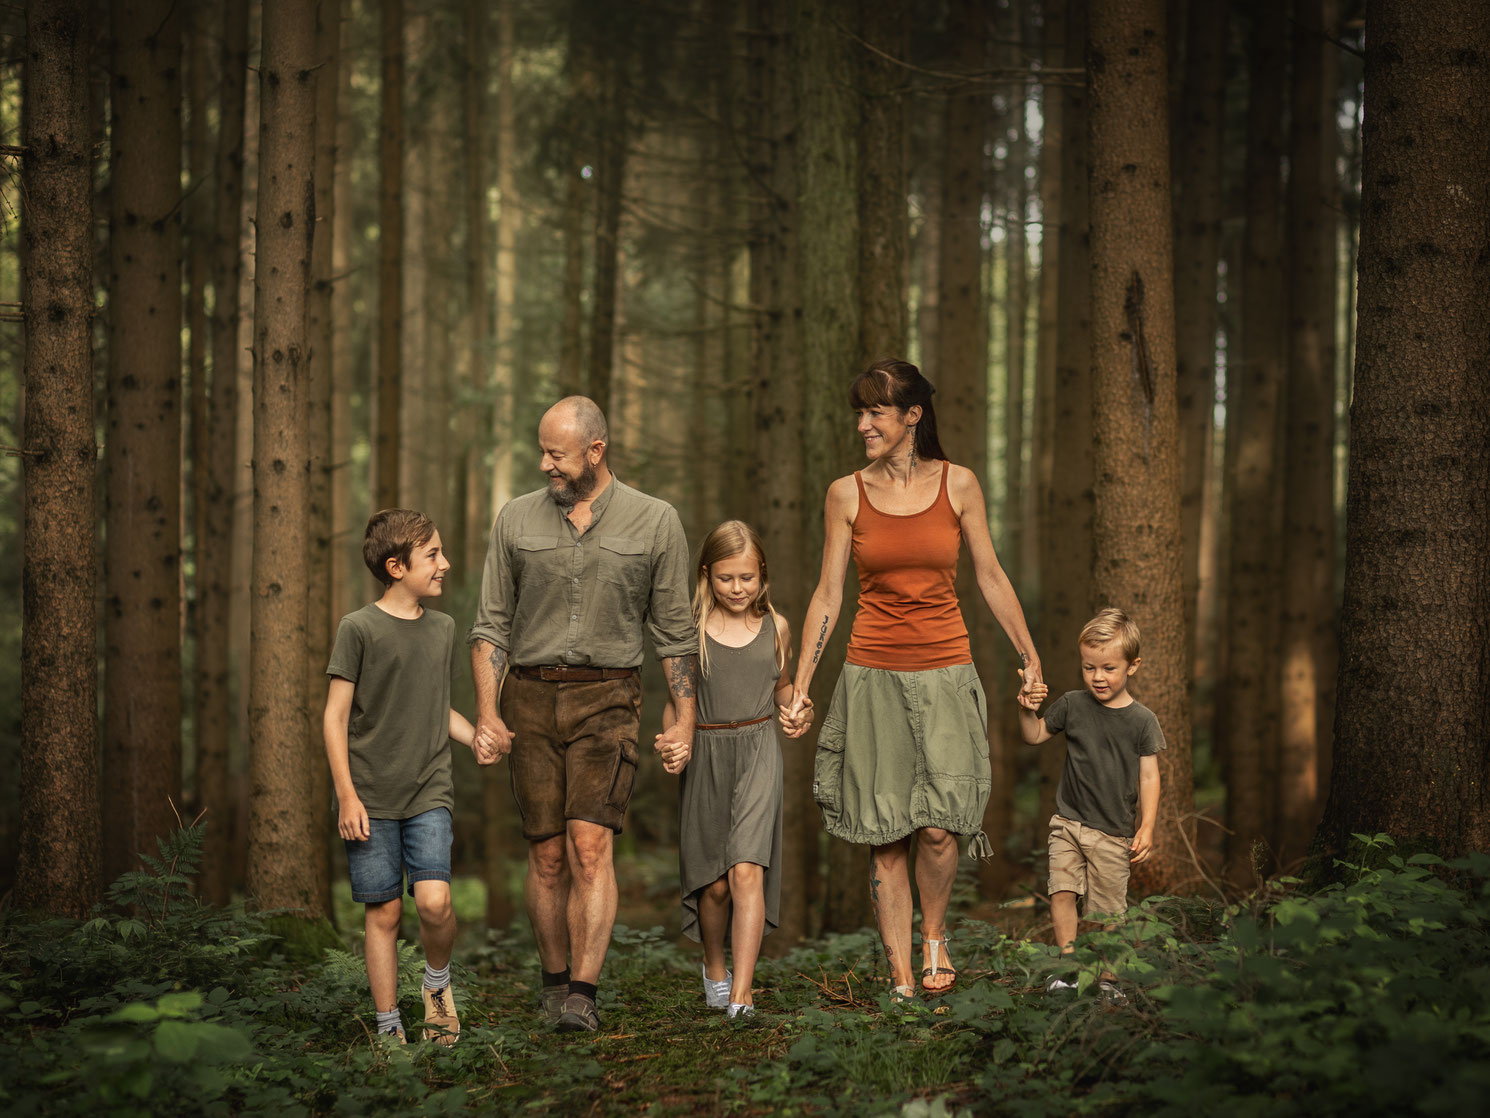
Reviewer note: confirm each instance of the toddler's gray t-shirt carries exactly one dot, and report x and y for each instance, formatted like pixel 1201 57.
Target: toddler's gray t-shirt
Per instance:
pixel 1099 785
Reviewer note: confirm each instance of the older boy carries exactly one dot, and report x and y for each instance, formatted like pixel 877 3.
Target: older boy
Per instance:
pixel 387 728
pixel 1112 742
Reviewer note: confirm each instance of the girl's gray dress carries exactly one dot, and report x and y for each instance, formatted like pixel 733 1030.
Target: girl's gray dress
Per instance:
pixel 731 789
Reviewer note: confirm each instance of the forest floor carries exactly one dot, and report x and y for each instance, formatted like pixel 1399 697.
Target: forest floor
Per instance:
pixel 1367 996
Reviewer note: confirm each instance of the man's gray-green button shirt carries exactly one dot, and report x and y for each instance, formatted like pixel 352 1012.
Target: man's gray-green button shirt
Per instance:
pixel 550 595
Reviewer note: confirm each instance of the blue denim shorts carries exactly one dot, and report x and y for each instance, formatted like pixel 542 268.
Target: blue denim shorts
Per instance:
pixel 421 844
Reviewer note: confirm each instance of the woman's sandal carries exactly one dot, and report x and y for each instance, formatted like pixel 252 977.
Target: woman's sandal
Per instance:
pixel 933 948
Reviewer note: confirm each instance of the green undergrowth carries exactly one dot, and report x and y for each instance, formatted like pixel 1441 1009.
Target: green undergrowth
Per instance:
pixel 1368 996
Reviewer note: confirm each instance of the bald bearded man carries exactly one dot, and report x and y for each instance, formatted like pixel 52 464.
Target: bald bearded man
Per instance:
pixel 575 574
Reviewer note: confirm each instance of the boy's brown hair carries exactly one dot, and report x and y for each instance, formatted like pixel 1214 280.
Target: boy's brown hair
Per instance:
pixel 393 534
pixel 1111 624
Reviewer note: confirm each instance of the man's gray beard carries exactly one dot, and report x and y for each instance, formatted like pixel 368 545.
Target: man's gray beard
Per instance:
pixel 568 493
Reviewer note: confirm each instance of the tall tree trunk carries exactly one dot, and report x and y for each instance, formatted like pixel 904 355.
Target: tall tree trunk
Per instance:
pixel 884 229
pixel 414 374
pixel 213 700
pixel 142 646
pixel 1196 166
pixel 388 441
pixel 962 348
pixel 1136 522
pixel 348 376
pixel 476 508
pixel 281 865
pixel 828 233
pixel 1251 681
pixel 197 208
pixel 500 844
pixel 505 287
pixel 571 298
pixel 1004 728
pixel 610 175
pixel 1414 709
pixel 58 870
pixel 780 508
pixel 319 376
pixel 1306 654
pixel 1066 556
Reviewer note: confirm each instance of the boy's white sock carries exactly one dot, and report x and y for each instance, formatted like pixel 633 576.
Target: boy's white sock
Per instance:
pixel 389 1020
pixel 436 979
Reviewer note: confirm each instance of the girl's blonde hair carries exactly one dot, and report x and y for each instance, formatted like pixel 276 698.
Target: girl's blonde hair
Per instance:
pixel 733 537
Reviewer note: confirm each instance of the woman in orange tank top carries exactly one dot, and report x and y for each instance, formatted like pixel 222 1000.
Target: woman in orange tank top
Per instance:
pixel 903 751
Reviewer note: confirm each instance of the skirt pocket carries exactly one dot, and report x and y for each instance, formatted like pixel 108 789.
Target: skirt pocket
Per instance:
pixel 827 765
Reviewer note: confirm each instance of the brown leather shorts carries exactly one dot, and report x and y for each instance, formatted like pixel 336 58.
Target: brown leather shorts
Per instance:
pixel 573 751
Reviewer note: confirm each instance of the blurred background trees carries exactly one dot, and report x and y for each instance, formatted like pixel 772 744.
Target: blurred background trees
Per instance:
pixel 1120 238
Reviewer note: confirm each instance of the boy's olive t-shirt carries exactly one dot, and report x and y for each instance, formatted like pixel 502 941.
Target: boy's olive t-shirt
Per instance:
pixel 1099 785
pixel 398 734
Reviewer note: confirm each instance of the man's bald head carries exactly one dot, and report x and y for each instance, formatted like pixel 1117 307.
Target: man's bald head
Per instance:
pixel 581 416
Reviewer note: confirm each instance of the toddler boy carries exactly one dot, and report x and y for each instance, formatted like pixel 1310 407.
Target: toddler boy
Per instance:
pixel 1112 767
pixel 387 728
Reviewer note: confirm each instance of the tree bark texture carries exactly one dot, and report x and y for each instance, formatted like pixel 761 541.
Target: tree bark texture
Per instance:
pixel 388 448
pixel 1196 165
pixel 884 229
pixel 1413 721
pixel 500 844
pixel 610 180
pixel 828 231
pixel 59 866
pixel 780 506
pixel 281 871
pixel 470 436
pixel 1307 652
pixel 1136 519
pixel 142 645
pixel 504 289
pixel 1250 754
pixel 1066 556
pixel 197 208
pixel 213 701
pixel 319 375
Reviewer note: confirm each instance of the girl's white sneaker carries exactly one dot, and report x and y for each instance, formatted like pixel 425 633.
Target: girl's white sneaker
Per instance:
pixel 737 1010
pixel 716 994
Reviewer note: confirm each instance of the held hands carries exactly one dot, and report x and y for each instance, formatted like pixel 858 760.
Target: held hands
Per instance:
pixel 493 740
pixel 1142 845
pixel 796 716
pixel 1033 691
pixel 674 748
pixel 352 823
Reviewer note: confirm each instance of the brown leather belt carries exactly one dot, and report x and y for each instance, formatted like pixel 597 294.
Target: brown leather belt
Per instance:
pixel 560 673
pixel 732 725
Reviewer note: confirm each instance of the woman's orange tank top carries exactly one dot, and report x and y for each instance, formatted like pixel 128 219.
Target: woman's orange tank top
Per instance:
pixel 908 618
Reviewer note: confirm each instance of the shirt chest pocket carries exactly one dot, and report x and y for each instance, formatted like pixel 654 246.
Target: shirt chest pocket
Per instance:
pixel 624 563
pixel 535 559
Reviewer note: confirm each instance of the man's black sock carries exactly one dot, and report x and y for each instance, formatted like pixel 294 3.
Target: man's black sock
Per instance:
pixel 556 977
pixel 585 988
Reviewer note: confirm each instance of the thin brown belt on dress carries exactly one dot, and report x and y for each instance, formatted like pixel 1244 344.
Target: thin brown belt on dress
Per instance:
pixel 561 673
pixel 732 725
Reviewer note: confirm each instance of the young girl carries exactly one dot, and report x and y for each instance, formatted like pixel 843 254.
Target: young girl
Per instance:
pixel 729 840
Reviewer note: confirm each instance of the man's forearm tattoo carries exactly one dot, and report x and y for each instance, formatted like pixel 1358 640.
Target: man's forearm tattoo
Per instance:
pixel 498 661
pixel 682 680
pixel 822 635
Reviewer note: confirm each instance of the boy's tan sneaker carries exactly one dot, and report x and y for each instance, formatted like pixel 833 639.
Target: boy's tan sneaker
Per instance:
pixel 441 1024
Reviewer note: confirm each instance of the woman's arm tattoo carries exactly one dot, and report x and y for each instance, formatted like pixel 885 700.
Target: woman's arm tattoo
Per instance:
pixel 822 635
